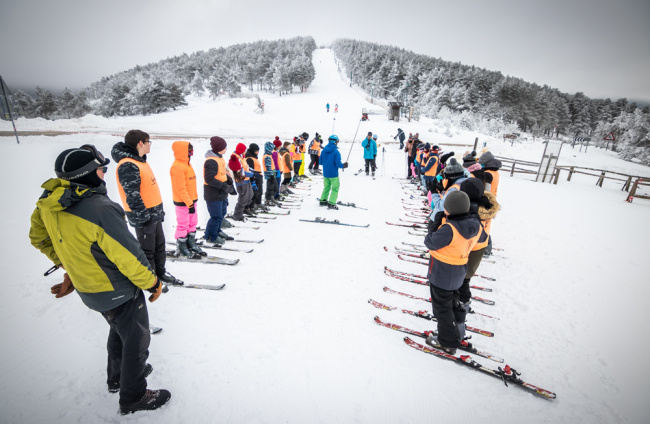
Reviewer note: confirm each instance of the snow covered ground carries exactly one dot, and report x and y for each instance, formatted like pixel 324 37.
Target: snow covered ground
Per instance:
pixel 292 337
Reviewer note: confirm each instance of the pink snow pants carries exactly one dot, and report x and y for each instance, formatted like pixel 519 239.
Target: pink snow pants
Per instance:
pixel 185 222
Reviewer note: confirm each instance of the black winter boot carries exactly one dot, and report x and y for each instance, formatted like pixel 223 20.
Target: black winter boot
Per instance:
pixel 181 247
pixel 114 386
pixel 152 399
pixel 192 246
pixel 330 206
pixel 433 342
pixel 323 203
pixel 167 278
pixel 226 224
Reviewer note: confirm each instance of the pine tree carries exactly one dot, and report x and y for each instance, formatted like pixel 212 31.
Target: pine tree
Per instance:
pixel 24 104
pixel 196 86
pixel 46 104
pixel 67 102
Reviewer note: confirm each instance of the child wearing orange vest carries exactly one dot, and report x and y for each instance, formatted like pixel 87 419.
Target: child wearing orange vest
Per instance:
pixel 450 246
pixel 269 167
pixel 491 166
pixel 241 175
pixel 257 180
pixel 286 167
pixel 217 185
pixel 185 197
pixel 314 154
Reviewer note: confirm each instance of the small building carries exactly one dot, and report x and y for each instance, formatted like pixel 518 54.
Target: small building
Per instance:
pixel 394 110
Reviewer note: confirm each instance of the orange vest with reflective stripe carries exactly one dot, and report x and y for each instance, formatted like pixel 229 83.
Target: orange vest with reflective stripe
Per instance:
pixel 457 252
pixel 272 163
pixel 256 164
pixel 434 169
pixel 481 245
pixel 221 174
pixel 494 185
pixel 149 190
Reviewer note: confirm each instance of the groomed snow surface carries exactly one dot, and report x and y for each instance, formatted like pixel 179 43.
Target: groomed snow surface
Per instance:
pixel 292 338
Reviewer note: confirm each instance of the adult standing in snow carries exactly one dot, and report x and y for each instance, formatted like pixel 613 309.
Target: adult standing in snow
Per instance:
pixel 369 153
pixel 328 108
pixel 141 199
pixel 185 197
pixel 217 185
pixel 401 136
pixel 331 161
pixel 106 265
pixel 410 152
pixel 314 153
pixel 450 246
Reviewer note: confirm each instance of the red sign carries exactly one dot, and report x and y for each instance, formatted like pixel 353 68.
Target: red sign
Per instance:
pixel 610 137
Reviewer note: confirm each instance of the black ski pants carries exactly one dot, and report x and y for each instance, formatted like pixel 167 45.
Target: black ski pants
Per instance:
pixel 445 309
pixel 370 163
pixel 128 347
pixel 271 187
pixel 257 194
pixel 296 168
pixel 152 242
pixel 313 164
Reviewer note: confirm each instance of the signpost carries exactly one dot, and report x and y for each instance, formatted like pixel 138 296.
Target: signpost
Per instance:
pixel 609 137
pixel 581 140
pixel 549 160
pixel 6 106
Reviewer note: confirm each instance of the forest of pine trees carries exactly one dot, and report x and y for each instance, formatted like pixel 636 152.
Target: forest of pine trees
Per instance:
pixel 486 101
pixel 275 66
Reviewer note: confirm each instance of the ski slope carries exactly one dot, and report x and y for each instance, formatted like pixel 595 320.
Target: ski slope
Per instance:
pixel 292 338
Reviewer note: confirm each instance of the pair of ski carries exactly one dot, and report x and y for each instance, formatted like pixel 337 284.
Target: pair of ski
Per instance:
pixel 351 205
pixel 427 264
pixel 427 316
pixel 422 276
pixel 319 220
pixel 215 246
pixel 397 275
pixel 424 281
pixel 423 226
pixel 171 257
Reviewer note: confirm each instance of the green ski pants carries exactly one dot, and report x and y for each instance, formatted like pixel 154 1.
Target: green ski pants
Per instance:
pixel 333 185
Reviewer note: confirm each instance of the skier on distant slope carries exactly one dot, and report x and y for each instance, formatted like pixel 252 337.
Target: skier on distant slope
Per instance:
pixel 401 136
pixel 141 199
pixel 79 228
pixel 328 107
pixel 331 161
pixel 450 246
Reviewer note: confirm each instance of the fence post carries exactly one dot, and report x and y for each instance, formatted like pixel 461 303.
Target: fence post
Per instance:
pixel 557 175
pixel 601 179
pixel 512 171
pixel 626 186
pixel 570 174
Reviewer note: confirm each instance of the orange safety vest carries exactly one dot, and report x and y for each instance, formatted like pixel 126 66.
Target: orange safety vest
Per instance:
pixel 272 163
pixel 479 245
pixel 283 166
pixel 256 164
pixel 457 252
pixel 434 169
pixel 296 153
pixel 221 174
pixel 149 190
pixel 494 185
pixel 418 157
pixel 244 166
pixel 315 146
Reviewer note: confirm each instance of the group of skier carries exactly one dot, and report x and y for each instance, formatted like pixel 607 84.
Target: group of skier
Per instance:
pixel 463 201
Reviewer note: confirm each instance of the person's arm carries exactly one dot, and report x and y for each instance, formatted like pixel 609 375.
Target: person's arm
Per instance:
pixel 251 163
pixel 40 238
pixel 288 161
pixel 337 159
pixel 129 177
pixel 180 186
pixel 210 171
pixel 438 239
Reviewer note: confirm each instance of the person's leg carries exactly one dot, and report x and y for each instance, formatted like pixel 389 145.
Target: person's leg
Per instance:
pixel 257 194
pixel 242 202
pixel 334 195
pixel 114 348
pixel 488 249
pixel 147 238
pixel 296 169
pixel 317 162
pixel 270 188
pixel 373 165
pixel 131 323
pixel 182 221
pixel 214 223
pixel 442 303
pixel 327 184
pixel 221 214
pixel 160 254
pixel 194 219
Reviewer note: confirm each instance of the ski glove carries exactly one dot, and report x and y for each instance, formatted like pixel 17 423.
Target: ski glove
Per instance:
pixel 156 289
pixel 192 209
pixel 278 173
pixel 345 165
pixel 232 190
pixel 63 289
pixel 254 186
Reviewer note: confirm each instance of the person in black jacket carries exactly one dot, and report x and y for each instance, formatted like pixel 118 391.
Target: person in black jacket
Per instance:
pixel 216 188
pixel 401 136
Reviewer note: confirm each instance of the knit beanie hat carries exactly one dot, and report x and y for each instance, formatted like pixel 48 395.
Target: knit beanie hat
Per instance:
pixel 370 133
pixel 374 136
pixel 277 142
pixel 305 135
pixel 456 203
pixel 240 149
pixel 473 187
pixel 469 159
pixel 485 158
pixel 234 163
pixel 277 138
pixel 435 148
pixel 253 148
pixel 79 166
pixel 217 144
pixel 453 170
pixel 427 146
pixel 475 167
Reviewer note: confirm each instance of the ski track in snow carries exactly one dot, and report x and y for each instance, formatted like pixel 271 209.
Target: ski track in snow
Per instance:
pixel 292 339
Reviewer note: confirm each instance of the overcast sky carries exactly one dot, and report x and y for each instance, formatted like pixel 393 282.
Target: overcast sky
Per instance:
pixel 599 47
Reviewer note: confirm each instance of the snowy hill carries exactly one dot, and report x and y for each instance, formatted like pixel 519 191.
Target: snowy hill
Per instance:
pixel 292 338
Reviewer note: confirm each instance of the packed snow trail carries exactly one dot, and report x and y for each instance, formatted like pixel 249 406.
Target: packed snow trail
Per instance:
pixel 292 339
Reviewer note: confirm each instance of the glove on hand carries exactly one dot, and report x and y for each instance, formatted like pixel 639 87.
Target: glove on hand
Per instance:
pixel 345 165
pixel 232 190
pixel 63 289
pixel 254 186
pixel 192 209
pixel 156 289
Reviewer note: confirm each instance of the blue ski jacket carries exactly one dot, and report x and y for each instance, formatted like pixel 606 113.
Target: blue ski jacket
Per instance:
pixel 330 160
pixel 369 148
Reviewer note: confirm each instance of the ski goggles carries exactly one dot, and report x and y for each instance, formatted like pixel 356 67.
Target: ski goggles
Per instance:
pixel 98 161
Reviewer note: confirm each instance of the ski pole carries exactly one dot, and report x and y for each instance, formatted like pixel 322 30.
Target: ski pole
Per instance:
pixel 333 123
pixel 355 137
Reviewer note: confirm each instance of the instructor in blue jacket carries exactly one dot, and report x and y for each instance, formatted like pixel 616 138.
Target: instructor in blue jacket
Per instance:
pixel 370 152
pixel 330 159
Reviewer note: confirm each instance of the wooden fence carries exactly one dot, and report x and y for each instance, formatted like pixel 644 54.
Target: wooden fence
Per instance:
pixel 600 173
pixel 635 186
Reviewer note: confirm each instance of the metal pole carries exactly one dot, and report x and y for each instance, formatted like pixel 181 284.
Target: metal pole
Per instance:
pixel 355 137
pixel 333 123
pixel 6 96
pixel 383 160
pixel 475 143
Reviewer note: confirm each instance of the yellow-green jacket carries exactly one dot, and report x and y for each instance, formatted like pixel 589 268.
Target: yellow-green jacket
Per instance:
pixel 82 229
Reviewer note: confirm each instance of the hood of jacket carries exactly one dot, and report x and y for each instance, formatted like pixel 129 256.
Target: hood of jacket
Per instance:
pixel 250 154
pixel 211 154
pixel 283 150
pixel 268 148
pixel 491 212
pixel 181 151
pixel 331 146
pixel 123 150
pixel 60 194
